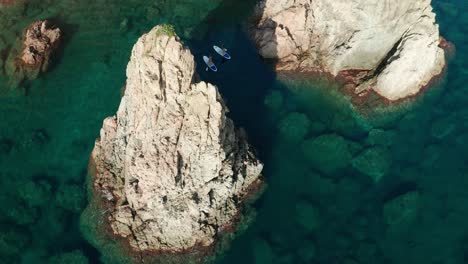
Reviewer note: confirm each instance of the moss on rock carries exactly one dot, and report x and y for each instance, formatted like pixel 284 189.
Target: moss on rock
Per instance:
pixel 166 29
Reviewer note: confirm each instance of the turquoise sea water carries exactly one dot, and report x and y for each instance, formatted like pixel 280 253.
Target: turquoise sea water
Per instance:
pixel 322 204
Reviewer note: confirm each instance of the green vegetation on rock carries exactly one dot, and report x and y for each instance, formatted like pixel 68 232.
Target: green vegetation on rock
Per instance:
pixel 166 29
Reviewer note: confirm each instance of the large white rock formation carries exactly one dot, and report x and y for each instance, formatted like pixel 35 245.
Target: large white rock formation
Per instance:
pixel 170 166
pixel 390 46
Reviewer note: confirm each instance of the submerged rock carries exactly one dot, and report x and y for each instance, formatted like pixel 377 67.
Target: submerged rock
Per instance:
pixel 73 257
pixel 70 197
pixel 374 162
pixel 13 242
pixel 307 216
pixel 402 211
pixel 294 127
pixel 262 252
pixel 170 167
pixel 379 137
pixel 391 47
pixel 443 127
pixel 35 194
pixel 40 39
pixel 327 153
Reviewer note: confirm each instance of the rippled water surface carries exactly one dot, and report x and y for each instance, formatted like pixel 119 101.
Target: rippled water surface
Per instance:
pixel 344 187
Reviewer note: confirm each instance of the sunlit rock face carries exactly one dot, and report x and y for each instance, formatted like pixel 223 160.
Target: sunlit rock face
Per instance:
pixel 391 47
pixel 172 168
pixel 40 39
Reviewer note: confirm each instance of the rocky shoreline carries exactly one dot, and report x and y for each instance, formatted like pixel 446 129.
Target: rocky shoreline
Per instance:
pixel 170 170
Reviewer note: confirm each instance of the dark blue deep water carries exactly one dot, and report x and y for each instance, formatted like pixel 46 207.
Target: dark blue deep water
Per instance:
pixel 323 204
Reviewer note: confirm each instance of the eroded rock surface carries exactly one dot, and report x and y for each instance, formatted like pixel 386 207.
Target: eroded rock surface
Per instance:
pixel 40 39
pixel 391 47
pixel 171 166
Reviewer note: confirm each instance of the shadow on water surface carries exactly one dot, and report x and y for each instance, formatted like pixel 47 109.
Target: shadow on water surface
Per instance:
pixel 243 81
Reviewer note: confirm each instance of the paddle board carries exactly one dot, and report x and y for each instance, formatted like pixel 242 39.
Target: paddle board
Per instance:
pixel 211 65
pixel 221 52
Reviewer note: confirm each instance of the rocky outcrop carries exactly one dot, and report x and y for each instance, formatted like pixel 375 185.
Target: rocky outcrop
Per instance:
pixel 170 167
pixel 390 47
pixel 401 211
pixel 6 2
pixel 329 153
pixel 374 162
pixel 39 41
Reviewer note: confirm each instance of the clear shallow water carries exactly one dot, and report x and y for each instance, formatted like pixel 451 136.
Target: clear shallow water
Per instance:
pixel 327 212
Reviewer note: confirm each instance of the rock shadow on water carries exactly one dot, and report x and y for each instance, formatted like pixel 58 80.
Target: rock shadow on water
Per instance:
pixel 243 81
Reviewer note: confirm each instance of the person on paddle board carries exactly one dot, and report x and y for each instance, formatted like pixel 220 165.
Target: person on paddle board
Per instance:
pixel 223 60
pixel 210 61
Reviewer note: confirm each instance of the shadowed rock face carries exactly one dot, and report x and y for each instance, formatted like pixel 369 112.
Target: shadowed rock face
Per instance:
pixel 171 166
pixel 391 47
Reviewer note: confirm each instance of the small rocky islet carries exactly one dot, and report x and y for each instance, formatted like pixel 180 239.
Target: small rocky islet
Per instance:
pixel 170 168
pixel 171 178
pixel 40 40
pixel 370 46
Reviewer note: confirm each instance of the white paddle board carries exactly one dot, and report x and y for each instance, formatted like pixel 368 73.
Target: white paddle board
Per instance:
pixel 210 65
pixel 221 52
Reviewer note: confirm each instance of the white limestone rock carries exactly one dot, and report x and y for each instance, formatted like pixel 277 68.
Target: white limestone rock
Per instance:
pixel 389 46
pixel 171 166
